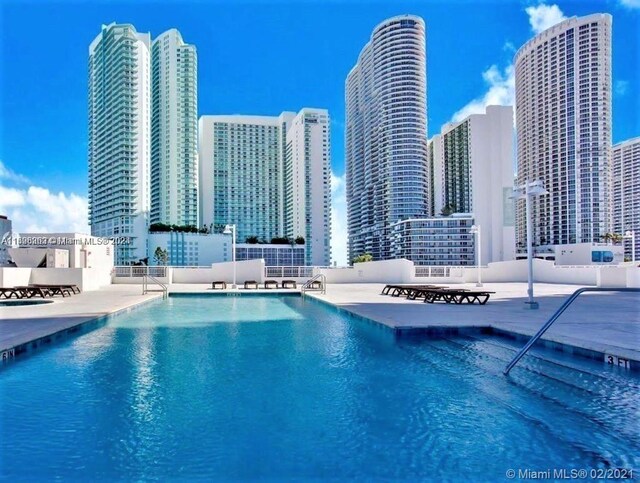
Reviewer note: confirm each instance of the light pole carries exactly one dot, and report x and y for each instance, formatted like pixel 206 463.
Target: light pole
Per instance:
pixel 631 234
pixel 475 229
pixel 528 191
pixel 231 230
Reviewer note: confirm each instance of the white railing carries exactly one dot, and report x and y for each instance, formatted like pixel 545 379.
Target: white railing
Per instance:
pixel 139 271
pixel 436 271
pixel 288 272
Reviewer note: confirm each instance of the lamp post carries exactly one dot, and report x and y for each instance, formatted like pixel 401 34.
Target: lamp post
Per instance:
pixel 475 229
pixel 631 234
pixel 527 192
pixel 231 230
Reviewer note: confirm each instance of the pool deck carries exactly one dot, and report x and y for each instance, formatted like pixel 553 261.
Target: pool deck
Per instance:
pixel 606 323
pixel 22 324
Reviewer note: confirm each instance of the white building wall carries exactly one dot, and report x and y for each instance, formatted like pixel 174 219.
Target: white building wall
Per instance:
pixel 489 180
pixel 625 199
pixel 191 249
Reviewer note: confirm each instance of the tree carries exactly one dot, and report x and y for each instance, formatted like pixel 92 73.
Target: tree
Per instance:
pixel 448 210
pixel 160 256
pixel 616 238
pixel 300 240
pixel 279 240
pixel 251 239
pixel 365 257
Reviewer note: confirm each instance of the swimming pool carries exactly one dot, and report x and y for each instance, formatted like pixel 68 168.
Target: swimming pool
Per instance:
pixel 223 388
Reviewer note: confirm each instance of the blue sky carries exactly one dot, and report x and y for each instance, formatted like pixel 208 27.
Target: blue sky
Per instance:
pixel 263 58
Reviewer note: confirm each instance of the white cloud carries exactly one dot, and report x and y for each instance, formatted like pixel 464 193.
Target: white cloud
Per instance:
pixel 542 16
pixel 500 92
pixel 36 209
pixel 501 83
pixel 621 87
pixel 338 219
pixel 630 3
pixel 10 176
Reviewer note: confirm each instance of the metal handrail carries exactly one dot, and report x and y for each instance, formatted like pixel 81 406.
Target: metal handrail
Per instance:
pixel 145 284
pixel 557 314
pixel 309 283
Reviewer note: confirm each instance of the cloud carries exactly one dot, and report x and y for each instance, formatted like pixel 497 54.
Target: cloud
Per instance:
pixel 500 92
pixel 501 83
pixel 621 87
pixel 630 3
pixel 542 16
pixel 338 219
pixel 10 176
pixel 36 209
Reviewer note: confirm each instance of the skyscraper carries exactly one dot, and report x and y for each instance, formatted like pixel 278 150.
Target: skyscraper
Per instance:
pixel 473 159
pixel 270 176
pixel 563 125
pixel 625 184
pixel 386 135
pixel 119 137
pixel 174 138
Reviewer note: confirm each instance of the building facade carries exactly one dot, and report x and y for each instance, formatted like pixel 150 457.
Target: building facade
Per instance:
pixel 445 241
pixel 563 127
pixel 5 240
pixel 174 124
pixel 473 170
pixel 270 176
pixel 190 249
pixel 625 189
pixel 387 177
pixel 119 138
pixel 273 255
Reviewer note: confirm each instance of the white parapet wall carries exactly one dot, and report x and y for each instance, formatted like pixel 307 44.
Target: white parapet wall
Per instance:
pixel 86 279
pixel 384 271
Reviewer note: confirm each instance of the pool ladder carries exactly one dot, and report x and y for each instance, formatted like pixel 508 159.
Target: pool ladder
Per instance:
pixel 154 281
pixel 310 285
pixel 557 314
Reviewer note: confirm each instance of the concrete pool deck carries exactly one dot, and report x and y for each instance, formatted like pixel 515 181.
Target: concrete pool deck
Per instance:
pixel 602 322
pixel 26 323
pixel 606 322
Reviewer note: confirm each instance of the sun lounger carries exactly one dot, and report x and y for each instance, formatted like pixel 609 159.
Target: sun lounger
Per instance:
pixel 457 296
pixel 68 287
pixel 218 285
pixel 9 292
pixel 30 292
pixel 63 290
pixel 270 284
pixel 407 290
pixel 250 284
pixel 289 284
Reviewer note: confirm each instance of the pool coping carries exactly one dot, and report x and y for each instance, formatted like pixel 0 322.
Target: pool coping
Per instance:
pixel 596 351
pixel 10 354
pixel 560 344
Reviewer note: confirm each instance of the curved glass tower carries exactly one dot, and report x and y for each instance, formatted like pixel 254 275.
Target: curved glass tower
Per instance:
pixel 386 135
pixel 563 127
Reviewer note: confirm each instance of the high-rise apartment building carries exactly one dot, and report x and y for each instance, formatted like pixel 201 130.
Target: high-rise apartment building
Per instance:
pixel 473 173
pixel 625 187
pixel 386 135
pixel 563 125
pixel 270 176
pixel 119 137
pixel 174 124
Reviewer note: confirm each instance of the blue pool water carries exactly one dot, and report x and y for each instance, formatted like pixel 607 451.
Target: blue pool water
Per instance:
pixel 220 388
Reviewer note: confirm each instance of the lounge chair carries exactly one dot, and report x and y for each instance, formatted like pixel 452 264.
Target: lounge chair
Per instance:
pixel 289 284
pixel 63 290
pixel 65 286
pixel 9 292
pixel 250 284
pixel 457 296
pixel 270 284
pixel 30 292
pixel 219 284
